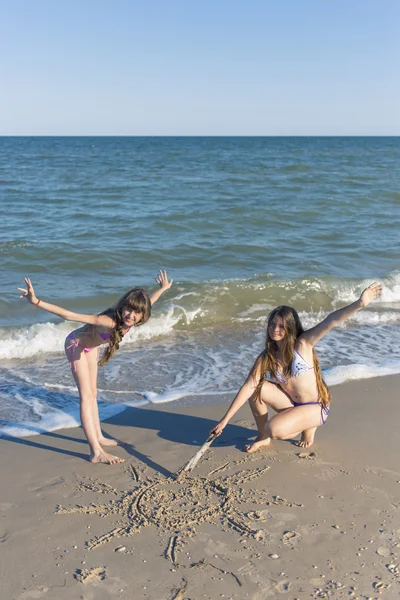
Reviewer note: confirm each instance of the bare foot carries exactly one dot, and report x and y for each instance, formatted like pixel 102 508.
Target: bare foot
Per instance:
pixel 107 441
pixel 107 459
pixel 258 443
pixel 307 439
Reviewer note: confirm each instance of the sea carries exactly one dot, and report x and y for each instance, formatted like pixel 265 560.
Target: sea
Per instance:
pixel 241 224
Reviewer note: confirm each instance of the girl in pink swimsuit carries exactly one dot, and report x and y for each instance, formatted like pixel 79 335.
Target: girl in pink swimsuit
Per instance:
pixel 82 349
pixel 287 377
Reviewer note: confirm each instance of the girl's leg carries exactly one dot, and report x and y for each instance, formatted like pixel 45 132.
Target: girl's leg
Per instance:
pixel 92 358
pixel 81 375
pixel 260 413
pixel 271 396
pixel 289 423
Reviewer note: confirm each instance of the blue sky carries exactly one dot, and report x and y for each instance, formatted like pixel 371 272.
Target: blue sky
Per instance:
pixel 200 67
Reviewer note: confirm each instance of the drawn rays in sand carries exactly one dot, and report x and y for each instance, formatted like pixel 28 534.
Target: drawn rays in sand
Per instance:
pixel 178 505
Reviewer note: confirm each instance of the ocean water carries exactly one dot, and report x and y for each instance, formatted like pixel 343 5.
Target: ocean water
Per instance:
pixel 240 224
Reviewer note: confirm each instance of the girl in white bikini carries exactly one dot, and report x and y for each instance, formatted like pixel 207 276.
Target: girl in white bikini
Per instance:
pixel 287 377
pixel 82 349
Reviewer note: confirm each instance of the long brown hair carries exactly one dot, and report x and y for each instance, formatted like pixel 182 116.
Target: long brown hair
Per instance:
pixel 267 361
pixel 135 299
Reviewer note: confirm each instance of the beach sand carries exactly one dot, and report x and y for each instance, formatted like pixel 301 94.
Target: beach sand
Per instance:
pixel 285 523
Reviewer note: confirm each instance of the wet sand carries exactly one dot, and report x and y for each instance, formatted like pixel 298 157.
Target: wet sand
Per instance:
pixel 288 522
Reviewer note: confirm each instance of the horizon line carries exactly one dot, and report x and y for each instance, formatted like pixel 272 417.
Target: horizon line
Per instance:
pixel 110 135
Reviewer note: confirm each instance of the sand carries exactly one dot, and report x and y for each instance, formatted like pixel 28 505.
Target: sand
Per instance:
pixel 284 523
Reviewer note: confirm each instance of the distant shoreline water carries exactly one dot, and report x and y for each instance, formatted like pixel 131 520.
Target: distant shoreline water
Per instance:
pixel 241 223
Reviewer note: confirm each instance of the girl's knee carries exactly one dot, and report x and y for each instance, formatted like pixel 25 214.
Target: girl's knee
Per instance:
pixel 88 399
pixel 258 407
pixel 276 433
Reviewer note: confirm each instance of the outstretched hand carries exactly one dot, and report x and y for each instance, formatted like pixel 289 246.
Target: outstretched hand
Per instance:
pixel 29 293
pixel 372 292
pixel 162 280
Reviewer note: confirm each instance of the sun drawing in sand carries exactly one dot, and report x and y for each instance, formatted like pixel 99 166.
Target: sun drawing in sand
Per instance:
pixel 179 504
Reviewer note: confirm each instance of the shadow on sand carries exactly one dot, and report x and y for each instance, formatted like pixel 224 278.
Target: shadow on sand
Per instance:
pixel 183 429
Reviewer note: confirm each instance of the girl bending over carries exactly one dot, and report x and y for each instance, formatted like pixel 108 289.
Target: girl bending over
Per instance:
pixel 82 350
pixel 287 377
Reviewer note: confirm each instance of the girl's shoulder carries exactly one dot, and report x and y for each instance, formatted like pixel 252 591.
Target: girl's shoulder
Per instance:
pixel 303 348
pixel 106 319
pixel 301 341
pixel 104 327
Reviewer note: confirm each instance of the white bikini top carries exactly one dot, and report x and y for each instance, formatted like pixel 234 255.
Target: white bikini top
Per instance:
pixel 297 368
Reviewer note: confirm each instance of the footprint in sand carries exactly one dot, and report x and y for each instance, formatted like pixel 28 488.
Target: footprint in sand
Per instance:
pixel 291 538
pixel 307 455
pixel 94 575
pixel 259 515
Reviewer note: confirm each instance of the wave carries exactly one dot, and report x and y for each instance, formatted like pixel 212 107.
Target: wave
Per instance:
pixel 223 303
pixel 47 419
pixel 31 341
pixel 341 374
pixel 347 291
pixel 56 419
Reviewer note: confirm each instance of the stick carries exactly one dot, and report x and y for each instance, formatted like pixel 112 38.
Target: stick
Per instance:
pixel 195 459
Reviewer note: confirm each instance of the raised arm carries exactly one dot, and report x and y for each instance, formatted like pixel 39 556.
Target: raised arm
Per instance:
pixel 29 294
pixel 162 280
pixel 245 392
pixel 313 335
